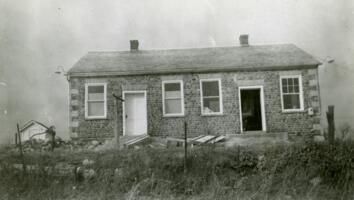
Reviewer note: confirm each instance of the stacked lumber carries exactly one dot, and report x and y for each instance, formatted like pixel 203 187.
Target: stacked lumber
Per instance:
pixel 199 140
pixel 135 140
pixel 209 139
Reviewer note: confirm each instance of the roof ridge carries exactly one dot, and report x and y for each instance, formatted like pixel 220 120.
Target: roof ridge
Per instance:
pixel 191 48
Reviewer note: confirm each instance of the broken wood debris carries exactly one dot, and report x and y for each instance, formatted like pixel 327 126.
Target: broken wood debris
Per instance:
pixel 205 139
pixel 199 140
pixel 135 140
pixel 217 139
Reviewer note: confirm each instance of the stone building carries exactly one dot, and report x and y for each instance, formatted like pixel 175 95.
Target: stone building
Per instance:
pixel 217 90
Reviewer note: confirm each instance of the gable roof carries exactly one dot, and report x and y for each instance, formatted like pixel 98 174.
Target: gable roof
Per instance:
pixel 31 123
pixel 218 59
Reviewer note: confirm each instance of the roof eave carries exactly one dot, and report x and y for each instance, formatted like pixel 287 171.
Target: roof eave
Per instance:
pixel 183 71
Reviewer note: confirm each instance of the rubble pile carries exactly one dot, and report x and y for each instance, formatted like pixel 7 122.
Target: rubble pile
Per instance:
pixel 70 145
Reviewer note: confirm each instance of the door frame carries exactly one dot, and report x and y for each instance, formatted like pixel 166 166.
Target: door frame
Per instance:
pixel 264 126
pixel 133 92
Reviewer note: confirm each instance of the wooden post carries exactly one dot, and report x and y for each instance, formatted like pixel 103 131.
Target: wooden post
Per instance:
pixel 331 127
pixel 21 150
pixel 116 127
pixel 185 147
pixel 16 138
pixel 116 132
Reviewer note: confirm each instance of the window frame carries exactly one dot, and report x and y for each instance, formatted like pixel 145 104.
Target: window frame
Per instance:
pixel 104 116
pixel 164 99
pixel 202 97
pixel 299 77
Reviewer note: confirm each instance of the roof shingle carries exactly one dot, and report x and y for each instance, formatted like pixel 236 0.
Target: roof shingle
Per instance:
pixel 218 59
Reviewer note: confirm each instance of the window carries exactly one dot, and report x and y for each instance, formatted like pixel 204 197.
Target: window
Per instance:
pixel 172 97
pixel 95 100
pixel 211 97
pixel 291 93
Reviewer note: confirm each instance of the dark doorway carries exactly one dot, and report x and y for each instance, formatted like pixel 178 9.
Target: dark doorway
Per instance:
pixel 251 109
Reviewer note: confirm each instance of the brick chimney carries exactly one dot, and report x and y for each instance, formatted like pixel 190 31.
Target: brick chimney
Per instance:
pixel 134 45
pixel 244 40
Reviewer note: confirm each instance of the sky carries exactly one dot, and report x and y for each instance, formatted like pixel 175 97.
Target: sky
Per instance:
pixel 36 36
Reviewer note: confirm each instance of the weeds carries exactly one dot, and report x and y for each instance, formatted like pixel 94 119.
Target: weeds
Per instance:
pixel 306 171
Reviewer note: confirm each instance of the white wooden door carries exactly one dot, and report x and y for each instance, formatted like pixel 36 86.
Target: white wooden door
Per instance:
pixel 135 114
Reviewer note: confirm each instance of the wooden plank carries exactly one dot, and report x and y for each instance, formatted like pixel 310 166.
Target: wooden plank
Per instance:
pixel 201 139
pixel 196 138
pixel 217 139
pixel 175 139
pixel 182 140
pixel 205 138
pixel 136 140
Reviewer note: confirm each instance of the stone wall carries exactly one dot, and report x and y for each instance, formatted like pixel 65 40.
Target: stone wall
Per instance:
pixel 227 123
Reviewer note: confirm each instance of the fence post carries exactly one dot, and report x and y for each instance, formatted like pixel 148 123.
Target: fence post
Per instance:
pixel 185 147
pixel 16 143
pixel 116 127
pixel 24 168
pixel 116 132
pixel 331 127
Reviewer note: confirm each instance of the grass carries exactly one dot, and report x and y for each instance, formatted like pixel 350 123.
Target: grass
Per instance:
pixel 299 171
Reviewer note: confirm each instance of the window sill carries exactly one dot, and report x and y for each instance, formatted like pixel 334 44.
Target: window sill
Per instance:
pixel 96 118
pixel 212 114
pixel 293 111
pixel 174 115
